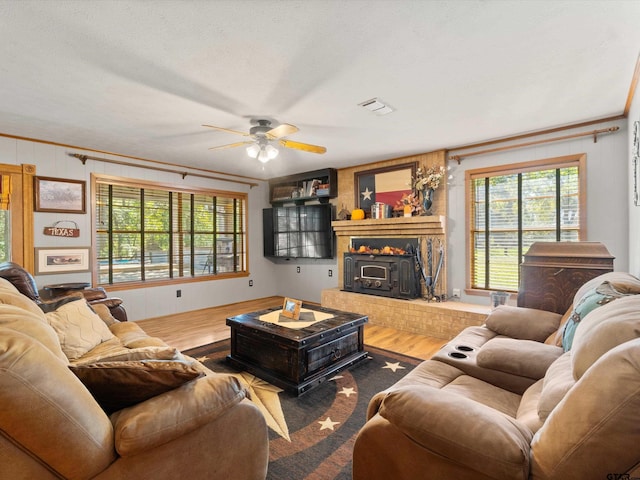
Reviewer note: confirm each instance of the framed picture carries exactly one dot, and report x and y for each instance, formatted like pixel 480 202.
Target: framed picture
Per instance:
pixel 291 308
pixel 62 260
pixel 59 195
pixel 384 185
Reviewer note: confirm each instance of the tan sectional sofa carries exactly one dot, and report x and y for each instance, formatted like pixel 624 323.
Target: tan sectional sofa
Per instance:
pixel 506 401
pixel 84 396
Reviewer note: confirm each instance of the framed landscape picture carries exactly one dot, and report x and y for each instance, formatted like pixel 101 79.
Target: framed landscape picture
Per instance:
pixel 62 260
pixel 59 195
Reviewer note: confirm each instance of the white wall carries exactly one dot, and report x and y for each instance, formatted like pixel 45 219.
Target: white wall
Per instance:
pixel 310 281
pixel 607 195
pixel 634 211
pixel 54 161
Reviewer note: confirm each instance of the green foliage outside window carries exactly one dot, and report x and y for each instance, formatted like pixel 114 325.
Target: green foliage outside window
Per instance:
pixel 146 234
pixel 513 210
pixel 5 235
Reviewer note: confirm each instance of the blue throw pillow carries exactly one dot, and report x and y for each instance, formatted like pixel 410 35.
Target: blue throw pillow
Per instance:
pixel 591 300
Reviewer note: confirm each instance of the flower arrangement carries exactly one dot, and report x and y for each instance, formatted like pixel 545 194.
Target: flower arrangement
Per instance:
pixel 412 200
pixel 429 178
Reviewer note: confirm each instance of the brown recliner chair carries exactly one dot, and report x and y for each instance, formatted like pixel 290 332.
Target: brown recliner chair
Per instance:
pixel 26 285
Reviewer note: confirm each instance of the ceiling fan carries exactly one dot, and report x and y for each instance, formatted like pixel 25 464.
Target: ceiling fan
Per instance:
pixel 262 135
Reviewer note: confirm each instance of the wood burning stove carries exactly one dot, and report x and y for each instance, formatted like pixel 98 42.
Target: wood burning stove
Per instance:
pixel 382 266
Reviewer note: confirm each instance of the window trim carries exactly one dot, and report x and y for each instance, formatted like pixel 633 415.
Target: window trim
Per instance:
pixel 22 239
pixel 575 160
pixel 128 182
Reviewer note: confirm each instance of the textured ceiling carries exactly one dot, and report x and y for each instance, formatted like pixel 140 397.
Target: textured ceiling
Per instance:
pixel 140 77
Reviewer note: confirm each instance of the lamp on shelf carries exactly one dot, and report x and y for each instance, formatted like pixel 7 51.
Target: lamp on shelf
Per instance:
pixel 262 151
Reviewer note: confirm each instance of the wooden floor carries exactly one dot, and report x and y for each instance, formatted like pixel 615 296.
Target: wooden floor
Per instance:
pixel 192 329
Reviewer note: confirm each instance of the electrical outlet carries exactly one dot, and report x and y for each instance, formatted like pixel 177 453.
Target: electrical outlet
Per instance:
pixel 298 269
pixel 330 273
pixel 178 293
pixel 455 293
pixel 251 283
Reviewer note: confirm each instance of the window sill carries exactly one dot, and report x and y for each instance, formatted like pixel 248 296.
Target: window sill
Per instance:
pixel 170 281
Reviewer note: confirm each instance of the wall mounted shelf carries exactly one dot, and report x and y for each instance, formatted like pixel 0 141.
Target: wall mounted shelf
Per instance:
pixel 320 185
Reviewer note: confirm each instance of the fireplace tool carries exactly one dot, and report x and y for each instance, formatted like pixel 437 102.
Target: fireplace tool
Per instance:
pixel 431 279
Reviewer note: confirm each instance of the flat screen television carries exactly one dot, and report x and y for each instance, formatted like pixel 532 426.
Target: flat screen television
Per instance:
pixel 300 231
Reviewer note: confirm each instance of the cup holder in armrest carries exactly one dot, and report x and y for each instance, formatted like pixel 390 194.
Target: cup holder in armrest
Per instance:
pixel 457 355
pixel 464 348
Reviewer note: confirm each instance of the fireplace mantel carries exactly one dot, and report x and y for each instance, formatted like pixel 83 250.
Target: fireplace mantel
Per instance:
pixel 391 227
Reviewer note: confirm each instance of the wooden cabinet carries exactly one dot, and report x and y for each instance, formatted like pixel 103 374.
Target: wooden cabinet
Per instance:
pixel 320 185
pixel 300 231
pixel 552 273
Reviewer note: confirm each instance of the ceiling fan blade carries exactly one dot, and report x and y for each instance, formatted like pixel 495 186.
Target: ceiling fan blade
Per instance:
pixel 231 145
pixel 228 130
pixel 303 146
pixel 281 130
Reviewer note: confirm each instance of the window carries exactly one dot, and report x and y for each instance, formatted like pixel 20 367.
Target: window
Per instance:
pixel 515 205
pixel 147 232
pixel 5 235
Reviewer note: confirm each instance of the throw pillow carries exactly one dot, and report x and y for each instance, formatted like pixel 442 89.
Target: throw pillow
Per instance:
pixel 104 313
pixel 78 327
pixel 117 385
pixel 603 330
pixel 594 298
pixel 122 354
pixel 53 305
pixel 132 336
pixel 617 279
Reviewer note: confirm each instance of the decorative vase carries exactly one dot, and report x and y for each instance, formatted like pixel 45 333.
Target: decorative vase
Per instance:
pixel 427 201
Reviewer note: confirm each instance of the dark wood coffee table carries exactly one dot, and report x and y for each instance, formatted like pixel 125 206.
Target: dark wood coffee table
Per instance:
pixel 296 359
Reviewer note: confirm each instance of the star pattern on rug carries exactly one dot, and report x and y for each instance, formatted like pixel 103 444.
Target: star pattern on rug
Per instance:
pixel 327 424
pixel 347 391
pixel 266 397
pixel 393 366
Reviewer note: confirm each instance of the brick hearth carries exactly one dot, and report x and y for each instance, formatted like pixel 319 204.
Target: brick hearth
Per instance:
pixel 440 320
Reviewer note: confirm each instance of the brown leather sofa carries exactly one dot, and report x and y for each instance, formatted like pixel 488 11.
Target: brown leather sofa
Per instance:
pixel 513 404
pixel 26 285
pixel 63 372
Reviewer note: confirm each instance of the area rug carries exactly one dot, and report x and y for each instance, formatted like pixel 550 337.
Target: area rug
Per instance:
pixel 312 436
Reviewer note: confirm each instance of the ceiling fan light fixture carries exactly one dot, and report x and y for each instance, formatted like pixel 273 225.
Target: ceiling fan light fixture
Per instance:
pixel 253 150
pixel 262 134
pixel 272 151
pixel 267 153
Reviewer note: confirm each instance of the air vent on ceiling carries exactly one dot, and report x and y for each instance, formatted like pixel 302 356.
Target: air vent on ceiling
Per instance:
pixel 377 106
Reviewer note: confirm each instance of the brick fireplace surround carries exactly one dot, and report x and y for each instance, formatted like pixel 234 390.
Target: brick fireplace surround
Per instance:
pixel 437 319
pixel 441 320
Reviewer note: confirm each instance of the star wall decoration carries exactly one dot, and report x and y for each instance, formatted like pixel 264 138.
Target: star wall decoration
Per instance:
pixel 366 195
